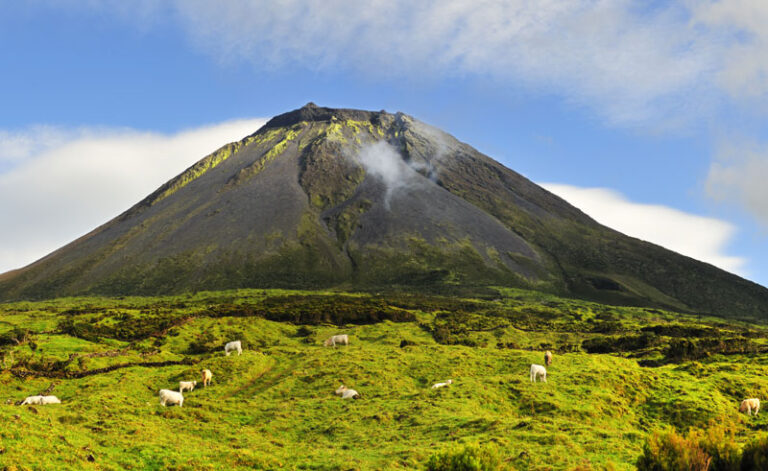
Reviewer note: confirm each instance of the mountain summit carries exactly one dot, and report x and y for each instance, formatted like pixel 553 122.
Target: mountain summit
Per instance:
pixel 322 197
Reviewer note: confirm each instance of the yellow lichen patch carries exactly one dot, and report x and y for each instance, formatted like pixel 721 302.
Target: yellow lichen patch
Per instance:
pixel 335 132
pixel 277 149
pixel 200 168
pixel 309 135
pixel 266 136
pixel 342 131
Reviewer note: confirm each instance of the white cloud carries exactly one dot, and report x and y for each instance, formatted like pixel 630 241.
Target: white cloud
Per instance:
pixel 628 64
pixel 384 162
pixel 739 175
pixel 657 64
pixel 15 146
pixel 740 25
pixel 699 237
pixel 64 182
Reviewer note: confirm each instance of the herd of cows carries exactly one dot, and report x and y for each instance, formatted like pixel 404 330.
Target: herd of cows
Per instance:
pixel 171 397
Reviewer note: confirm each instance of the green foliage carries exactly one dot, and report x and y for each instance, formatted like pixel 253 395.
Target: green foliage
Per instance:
pixel 304 331
pixel 668 451
pixel 467 458
pixel 719 441
pixel 620 344
pixel 204 342
pixel 694 349
pixel 331 309
pixel 713 448
pixel 755 454
pixel 106 358
pixel 17 336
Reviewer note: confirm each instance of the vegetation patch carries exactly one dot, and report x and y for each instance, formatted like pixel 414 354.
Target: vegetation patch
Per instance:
pixel 107 358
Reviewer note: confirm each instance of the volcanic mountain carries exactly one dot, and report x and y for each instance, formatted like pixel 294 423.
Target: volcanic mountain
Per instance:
pixel 322 197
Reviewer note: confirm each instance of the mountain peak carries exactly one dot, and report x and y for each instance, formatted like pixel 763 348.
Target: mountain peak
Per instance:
pixel 313 113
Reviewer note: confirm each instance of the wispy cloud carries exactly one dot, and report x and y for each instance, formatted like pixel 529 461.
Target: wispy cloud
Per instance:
pixel 739 26
pixel 384 162
pixel 699 237
pixel 65 182
pixel 630 62
pixel 16 146
pixel 739 175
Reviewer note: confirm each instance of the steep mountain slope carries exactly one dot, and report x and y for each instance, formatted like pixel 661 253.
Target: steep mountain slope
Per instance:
pixel 324 197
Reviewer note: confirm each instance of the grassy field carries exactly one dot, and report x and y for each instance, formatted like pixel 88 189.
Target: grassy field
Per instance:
pixel 618 374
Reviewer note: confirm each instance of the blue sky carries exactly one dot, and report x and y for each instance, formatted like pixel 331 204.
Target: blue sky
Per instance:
pixel 651 119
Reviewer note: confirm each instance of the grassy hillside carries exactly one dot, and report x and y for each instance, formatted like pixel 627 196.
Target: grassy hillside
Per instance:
pixel 618 374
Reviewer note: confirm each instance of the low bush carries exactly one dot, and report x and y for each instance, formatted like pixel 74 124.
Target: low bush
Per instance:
pixel 315 310
pixel 719 442
pixel 694 349
pixel 304 331
pixel 626 343
pixel 755 454
pixel 205 342
pixel 668 451
pixel 468 458
pixel 17 336
pixel 713 448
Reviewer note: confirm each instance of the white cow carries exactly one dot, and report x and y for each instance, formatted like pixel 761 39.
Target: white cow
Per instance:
pixel 342 339
pixel 347 393
pixel 538 371
pixel 170 397
pixel 207 377
pixel 187 385
pixel 749 405
pixel 41 400
pixel 236 345
pixel 441 385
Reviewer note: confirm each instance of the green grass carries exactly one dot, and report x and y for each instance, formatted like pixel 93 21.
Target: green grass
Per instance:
pixel 274 406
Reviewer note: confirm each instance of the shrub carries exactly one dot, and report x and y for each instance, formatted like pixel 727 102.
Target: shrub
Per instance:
pixel 469 458
pixel 668 451
pixel 719 442
pixel 17 336
pixel 203 343
pixel 304 331
pixel 755 455
pixel 82 363
pixel 626 343
pixel 83 330
pixel 693 349
pixel 712 449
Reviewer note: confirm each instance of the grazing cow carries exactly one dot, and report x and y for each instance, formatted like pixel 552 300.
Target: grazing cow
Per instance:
pixel 440 385
pixel 236 345
pixel 170 397
pixel 342 339
pixel 538 371
pixel 207 376
pixel 347 393
pixel 40 400
pixel 749 405
pixel 187 385
pixel 548 358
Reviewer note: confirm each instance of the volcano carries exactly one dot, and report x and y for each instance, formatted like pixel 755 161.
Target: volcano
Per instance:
pixel 351 199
